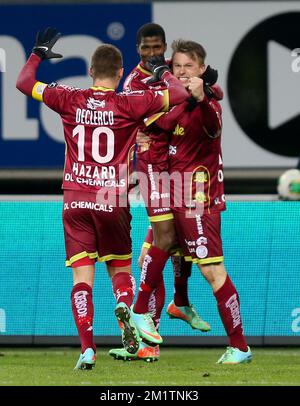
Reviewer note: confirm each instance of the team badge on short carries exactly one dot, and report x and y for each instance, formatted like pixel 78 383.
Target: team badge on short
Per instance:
pixel 201 251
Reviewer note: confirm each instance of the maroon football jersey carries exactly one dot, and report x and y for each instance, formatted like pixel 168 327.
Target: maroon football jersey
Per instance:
pixel 159 147
pixel 137 79
pixel 195 158
pixel 99 129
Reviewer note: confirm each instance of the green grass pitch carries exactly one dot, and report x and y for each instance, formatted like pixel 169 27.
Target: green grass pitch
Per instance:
pixel 177 366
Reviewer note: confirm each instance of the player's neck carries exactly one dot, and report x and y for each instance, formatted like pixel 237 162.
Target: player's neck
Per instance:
pixel 142 64
pixel 107 83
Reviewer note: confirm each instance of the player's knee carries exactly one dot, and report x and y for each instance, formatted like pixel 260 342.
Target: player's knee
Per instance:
pixel 164 234
pixel 215 274
pixel 165 239
pixel 165 242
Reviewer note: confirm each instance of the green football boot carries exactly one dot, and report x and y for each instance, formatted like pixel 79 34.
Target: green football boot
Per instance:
pixel 145 353
pixel 189 315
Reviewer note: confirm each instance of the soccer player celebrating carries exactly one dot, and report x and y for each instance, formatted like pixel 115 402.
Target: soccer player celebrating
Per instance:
pixel 99 132
pixel 153 161
pixel 198 198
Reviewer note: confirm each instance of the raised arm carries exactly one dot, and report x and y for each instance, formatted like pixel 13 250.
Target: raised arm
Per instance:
pixel 26 80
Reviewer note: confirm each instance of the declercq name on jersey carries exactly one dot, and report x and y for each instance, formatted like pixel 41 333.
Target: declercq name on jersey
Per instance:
pixel 94 117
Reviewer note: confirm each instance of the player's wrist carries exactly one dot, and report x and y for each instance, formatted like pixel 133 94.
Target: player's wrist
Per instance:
pixel 197 98
pixel 165 74
pixel 38 52
pixel 35 56
pixel 202 98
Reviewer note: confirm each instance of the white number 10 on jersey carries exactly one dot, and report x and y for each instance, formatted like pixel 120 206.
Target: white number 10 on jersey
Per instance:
pixel 98 133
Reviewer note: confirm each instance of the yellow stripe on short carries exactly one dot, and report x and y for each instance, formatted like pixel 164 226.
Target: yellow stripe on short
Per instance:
pixel 113 256
pixel 188 259
pixel 83 254
pixel 161 217
pixel 207 261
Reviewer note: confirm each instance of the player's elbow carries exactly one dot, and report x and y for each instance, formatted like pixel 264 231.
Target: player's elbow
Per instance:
pixel 20 85
pixel 217 134
pixel 213 132
pixel 23 86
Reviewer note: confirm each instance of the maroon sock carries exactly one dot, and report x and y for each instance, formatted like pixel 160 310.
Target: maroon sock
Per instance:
pixel 83 313
pixel 182 271
pixel 151 276
pixel 229 309
pixel 156 303
pixel 123 284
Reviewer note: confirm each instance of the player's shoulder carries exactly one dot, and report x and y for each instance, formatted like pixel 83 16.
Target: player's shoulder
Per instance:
pixel 217 92
pixel 137 78
pixel 169 62
pixel 63 92
pixel 141 72
pixel 63 87
pixel 130 79
pixel 129 93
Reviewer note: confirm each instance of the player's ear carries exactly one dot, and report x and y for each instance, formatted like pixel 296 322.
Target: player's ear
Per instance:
pixel 91 72
pixel 121 73
pixel 202 69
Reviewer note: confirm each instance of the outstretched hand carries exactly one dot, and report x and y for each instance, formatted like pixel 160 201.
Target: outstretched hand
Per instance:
pixel 45 40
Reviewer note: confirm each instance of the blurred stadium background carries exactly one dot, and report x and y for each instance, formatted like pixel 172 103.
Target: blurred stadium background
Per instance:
pixel 252 44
